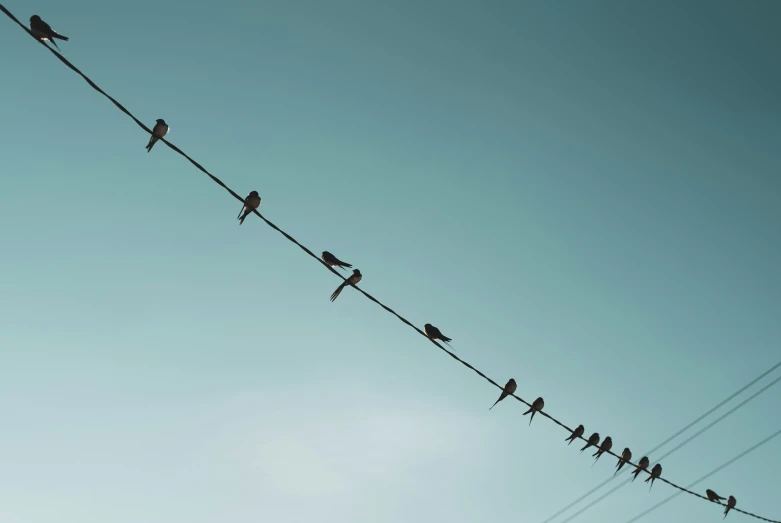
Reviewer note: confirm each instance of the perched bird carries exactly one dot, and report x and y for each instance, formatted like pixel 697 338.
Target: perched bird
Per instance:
pixel 160 129
pixel 641 466
pixel 537 406
pixel 508 389
pixel 43 31
pixel 625 456
pixel 655 473
pixel 592 440
pixel 333 261
pixel 251 202
pixel 578 432
pixel 435 334
pixel 731 502
pixel 607 444
pixel 712 495
pixel 354 278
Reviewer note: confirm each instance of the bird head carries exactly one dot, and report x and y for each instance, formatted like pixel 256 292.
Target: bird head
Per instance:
pixel 356 272
pixel 253 193
pixel 160 120
pixel 627 452
pixel 35 18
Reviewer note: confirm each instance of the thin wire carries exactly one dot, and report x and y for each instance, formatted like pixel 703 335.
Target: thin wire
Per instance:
pixel 706 476
pixel 665 442
pixel 672 451
pixel 310 253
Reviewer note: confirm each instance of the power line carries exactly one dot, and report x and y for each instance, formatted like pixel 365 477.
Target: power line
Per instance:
pixel 310 253
pixel 678 447
pixel 662 444
pixel 706 476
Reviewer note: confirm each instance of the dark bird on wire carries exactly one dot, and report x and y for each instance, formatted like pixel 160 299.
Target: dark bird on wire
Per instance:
pixel 625 456
pixel 354 278
pixel 435 334
pixel 333 261
pixel 655 473
pixel 712 495
pixel 251 202
pixel 536 407
pixel 508 390
pixel 731 502
pixel 607 444
pixel 43 31
pixel 160 129
pixel 578 432
pixel 641 466
pixel 592 441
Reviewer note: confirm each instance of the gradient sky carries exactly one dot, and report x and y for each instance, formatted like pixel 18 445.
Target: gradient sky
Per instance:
pixel 584 195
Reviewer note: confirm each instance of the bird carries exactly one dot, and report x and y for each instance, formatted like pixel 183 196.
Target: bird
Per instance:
pixel 251 202
pixel 43 31
pixel 712 495
pixel 435 334
pixel 537 406
pixel 655 473
pixel 506 391
pixel 592 440
pixel 332 261
pixel 354 278
pixel 607 444
pixel 625 456
pixel 641 466
pixel 578 432
pixel 160 129
pixel 731 502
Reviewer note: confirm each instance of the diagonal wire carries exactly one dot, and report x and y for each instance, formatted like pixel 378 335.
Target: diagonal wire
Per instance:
pixel 706 476
pixel 676 448
pixel 310 253
pixel 665 442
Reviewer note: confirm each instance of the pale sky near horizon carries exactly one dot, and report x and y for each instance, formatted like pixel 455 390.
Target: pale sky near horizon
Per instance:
pixel 583 195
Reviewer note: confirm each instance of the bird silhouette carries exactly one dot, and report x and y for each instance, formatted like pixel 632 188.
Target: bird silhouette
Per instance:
pixel 578 432
pixel 435 334
pixel 333 261
pixel 731 502
pixel 536 407
pixel 354 278
pixel 607 444
pixel 712 495
pixel 160 129
pixel 592 440
pixel 625 456
pixel 641 466
pixel 508 389
pixel 251 202
pixel 43 31
pixel 655 473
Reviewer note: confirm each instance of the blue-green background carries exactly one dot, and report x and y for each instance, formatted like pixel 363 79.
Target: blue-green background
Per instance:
pixel 584 195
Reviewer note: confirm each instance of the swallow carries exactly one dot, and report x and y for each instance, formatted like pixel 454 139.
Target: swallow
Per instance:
pixel 625 456
pixel 607 444
pixel 43 31
pixel 731 502
pixel 592 440
pixel 435 334
pixel 655 473
pixel 506 391
pixel 578 432
pixel 354 278
pixel 712 495
pixel 160 129
pixel 537 406
pixel 641 466
pixel 251 202
pixel 332 261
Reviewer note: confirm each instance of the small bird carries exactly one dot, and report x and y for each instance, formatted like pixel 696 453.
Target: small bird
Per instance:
pixel 578 432
pixel 251 202
pixel 641 466
pixel 354 278
pixel 435 334
pixel 332 261
pixel 592 441
pixel 537 406
pixel 625 456
pixel 508 389
pixel 43 31
pixel 655 473
pixel 160 129
pixel 712 495
pixel 731 502
pixel 607 444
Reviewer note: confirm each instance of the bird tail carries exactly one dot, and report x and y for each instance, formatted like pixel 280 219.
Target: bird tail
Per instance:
pixel 446 339
pixel 497 401
pixel 584 448
pixel 343 265
pixel 54 43
pixel 647 479
pixel 338 291
pixel 241 220
pixel 532 417
pixel 636 473
pixel 151 143
pixel 61 37
pixel 652 486
pixel 570 439
pixel 528 411
pixel 594 454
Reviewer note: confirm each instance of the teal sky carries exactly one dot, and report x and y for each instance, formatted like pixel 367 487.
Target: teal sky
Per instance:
pixel 584 195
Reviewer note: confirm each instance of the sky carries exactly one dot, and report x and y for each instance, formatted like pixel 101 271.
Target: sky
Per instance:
pixel 583 195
